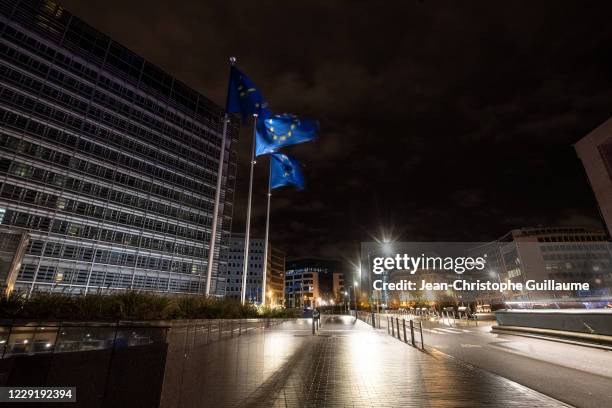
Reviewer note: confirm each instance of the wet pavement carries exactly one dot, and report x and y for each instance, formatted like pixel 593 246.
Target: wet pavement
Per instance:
pixel 347 364
pixel 576 374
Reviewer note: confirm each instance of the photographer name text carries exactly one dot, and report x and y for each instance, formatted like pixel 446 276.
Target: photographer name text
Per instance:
pixel 478 285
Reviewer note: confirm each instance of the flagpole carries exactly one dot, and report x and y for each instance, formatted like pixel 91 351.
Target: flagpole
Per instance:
pixel 266 237
pixel 213 233
pixel 248 217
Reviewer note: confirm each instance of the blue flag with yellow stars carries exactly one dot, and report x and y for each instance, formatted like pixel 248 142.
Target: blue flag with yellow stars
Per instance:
pixel 285 171
pixel 282 130
pixel 244 97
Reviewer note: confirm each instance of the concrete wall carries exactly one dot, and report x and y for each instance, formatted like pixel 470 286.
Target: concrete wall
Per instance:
pixel 593 322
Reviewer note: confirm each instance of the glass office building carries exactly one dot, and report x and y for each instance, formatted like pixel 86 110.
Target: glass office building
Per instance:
pixel 106 161
pixel 310 281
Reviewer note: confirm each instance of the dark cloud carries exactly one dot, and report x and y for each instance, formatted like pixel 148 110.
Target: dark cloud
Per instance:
pixel 440 120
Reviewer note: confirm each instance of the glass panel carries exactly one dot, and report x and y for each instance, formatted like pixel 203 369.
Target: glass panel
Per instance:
pixel 85 338
pixel 20 341
pixel 136 336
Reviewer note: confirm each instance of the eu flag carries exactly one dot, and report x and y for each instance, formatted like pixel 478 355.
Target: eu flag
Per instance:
pixel 282 130
pixel 244 97
pixel 285 171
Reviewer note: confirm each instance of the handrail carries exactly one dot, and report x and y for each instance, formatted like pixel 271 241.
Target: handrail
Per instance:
pixel 392 323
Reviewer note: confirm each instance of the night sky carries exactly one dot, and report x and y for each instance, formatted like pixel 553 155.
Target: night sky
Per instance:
pixel 439 121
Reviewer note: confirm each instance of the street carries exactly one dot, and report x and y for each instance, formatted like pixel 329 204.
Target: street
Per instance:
pixel 578 375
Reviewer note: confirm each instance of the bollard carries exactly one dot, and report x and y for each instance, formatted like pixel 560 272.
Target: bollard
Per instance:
pixel 399 336
pixel 313 326
pixel 392 328
pixel 404 326
pixel 412 332
pixel 388 329
pixel 421 330
pixel 373 320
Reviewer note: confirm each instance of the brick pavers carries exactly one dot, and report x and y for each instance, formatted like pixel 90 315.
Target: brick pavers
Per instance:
pixel 347 365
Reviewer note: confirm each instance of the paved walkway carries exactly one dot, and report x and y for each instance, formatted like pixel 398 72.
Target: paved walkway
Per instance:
pixel 347 365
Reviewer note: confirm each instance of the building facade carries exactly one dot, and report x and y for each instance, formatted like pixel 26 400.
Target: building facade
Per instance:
pixel 310 282
pixel 338 285
pixel 109 163
pixel 275 277
pixel 235 268
pixel 562 254
pixel 595 152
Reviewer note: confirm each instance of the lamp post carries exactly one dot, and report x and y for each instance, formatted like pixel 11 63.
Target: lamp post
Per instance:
pixel 346 300
pixel 354 295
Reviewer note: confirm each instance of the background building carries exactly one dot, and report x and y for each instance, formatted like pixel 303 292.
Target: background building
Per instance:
pixel 338 285
pixel 563 254
pixel 275 284
pixel 235 268
pixel 309 281
pixel 108 162
pixel 595 152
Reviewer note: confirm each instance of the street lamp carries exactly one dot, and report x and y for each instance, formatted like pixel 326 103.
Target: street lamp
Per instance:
pixel 355 294
pixel 347 301
pixel 355 284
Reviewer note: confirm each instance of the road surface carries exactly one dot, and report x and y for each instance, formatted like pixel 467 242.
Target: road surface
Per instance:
pixel 578 375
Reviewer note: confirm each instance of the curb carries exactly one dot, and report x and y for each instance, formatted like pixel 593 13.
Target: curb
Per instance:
pixel 580 339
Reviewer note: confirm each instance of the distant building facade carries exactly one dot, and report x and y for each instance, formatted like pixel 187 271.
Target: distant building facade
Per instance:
pixel 311 281
pixel 562 254
pixel 338 288
pixel 274 276
pixel 106 161
pixel 595 152
pixel 235 268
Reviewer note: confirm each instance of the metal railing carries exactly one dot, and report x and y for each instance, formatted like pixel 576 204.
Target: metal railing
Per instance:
pixel 373 319
pixel 446 315
pixel 396 327
pixel 196 332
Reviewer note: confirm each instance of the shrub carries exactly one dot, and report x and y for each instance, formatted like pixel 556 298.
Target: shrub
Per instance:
pixel 129 305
